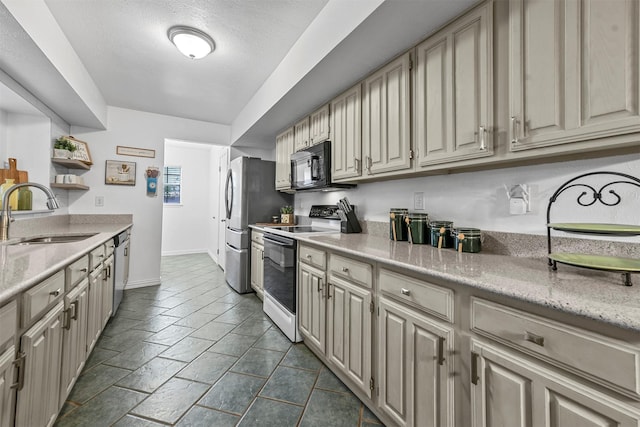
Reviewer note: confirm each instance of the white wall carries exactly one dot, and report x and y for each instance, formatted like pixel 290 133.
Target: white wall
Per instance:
pixel 143 130
pixel 264 154
pixel 478 199
pixel 186 228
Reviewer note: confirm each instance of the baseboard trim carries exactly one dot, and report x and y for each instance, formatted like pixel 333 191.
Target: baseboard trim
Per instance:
pixel 142 283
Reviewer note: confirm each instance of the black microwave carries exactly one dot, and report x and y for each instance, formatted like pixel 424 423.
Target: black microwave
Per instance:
pixel 311 169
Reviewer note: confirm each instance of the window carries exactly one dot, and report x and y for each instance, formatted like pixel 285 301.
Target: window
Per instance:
pixel 172 180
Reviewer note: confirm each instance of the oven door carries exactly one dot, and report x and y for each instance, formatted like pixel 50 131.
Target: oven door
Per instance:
pixel 280 270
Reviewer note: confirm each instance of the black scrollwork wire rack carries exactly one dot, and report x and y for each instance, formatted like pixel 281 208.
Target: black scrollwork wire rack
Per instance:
pixel 589 196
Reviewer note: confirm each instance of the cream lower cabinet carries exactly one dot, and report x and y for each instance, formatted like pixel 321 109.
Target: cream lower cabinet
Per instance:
pixel 257 267
pixel 346 142
pixel 311 305
pixel 7 393
pixel 74 337
pixel 94 320
pixel 574 73
pixel 453 91
pixel 107 291
pixel 349 314
pixel 39 386
pixel 386 131
pixel 511 390
pixel 415 358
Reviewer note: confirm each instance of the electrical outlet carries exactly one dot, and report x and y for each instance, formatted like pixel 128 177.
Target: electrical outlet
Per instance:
pixel 418 200
pixel 99 201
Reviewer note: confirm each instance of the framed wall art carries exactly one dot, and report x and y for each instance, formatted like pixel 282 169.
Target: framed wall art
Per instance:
pixel 117 172
pixel 133 151
pixel 82 151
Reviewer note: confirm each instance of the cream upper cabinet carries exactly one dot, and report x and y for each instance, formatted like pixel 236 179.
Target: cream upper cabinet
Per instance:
pixel 453 91
pixel 574 71
pixel 386 139
pixel 301 134
pixel 346 142
pixel 510 390
pixel 320 128
pixel 284 148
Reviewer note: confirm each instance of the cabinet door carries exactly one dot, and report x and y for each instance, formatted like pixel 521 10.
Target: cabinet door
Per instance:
pixel 416 367
pixel 107 291
pixel 453 102
pixel 574 71
pixel 74 337
pixel 38 400
pixel 284 148
pixel 349 331
pixel 94 320
pixel 320 129
pixel 346 145
pixel 301 134
pixel 311 305
pixel 512 391
pixel 257 267
pixel 7 394
pixel 386 140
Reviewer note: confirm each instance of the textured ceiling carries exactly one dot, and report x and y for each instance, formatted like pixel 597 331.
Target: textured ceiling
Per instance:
pixel 123 45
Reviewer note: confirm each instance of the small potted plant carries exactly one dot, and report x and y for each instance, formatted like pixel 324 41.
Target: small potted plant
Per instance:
pixel 286 215
pixel 63 147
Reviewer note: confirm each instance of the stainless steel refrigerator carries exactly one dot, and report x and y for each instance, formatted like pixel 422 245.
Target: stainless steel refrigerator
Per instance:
pixel 250 197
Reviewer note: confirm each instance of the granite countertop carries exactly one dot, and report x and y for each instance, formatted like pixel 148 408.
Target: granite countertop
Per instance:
pixel 589 293
pixel 22 266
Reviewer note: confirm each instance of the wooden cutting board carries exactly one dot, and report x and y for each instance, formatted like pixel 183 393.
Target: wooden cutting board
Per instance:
pixel 13 173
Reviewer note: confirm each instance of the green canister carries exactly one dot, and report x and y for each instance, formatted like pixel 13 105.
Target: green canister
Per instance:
pixel 467 239
pixel 441 234
pixel 418 227
pixel 397 226
pixel 25 198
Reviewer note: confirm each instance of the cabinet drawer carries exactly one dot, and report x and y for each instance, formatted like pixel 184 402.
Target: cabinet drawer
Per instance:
pixel 257 236
pixel 431 298
pixel 9 322
pixel 357 272
pixel 109 247
pixel 585 353
pixel 314 257
pixel 96 256
pixel 36 299
pixel 76 272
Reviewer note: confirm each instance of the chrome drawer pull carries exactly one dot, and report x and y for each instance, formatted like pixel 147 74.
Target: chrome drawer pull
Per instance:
pixel 345 269
pixel 475 377
pixel 533 338
pixel 405 291
pixel 55 293
pixel 83 270
pixel 308 256
pixel 441 359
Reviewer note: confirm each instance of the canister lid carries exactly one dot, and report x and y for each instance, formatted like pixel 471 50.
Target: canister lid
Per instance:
pixel 467 231
pixel 438 224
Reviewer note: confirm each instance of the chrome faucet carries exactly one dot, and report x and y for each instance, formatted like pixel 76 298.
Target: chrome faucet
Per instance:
pixel 6 219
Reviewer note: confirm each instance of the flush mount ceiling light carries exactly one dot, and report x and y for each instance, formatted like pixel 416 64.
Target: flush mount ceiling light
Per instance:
pixel 192 43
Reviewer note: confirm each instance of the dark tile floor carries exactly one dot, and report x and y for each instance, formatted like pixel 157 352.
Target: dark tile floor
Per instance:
pixel 192 352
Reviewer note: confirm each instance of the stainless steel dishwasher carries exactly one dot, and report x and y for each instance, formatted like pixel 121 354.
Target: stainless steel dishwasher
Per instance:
pixel 121 266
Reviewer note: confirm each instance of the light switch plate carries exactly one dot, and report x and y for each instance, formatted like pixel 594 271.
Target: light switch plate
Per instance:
pixel 99 201
pixel 418 200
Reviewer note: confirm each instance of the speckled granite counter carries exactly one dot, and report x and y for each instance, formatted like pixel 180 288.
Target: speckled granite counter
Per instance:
pixel 593 294
pixel 23 266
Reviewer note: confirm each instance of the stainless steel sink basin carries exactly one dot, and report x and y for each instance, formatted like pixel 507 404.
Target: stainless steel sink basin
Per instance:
pixel 63 238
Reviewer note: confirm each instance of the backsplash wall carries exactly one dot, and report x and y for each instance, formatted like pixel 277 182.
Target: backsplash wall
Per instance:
pixel 479 199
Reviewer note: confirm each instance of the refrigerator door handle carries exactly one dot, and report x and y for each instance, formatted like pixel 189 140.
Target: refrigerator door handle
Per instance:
pixel 228 201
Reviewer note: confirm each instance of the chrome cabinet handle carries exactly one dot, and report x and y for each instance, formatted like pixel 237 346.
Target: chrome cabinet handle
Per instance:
pixel 309 256
pixel 345 269
pixel 75 305
pixel 369 163
pixel 441 341
pixel 405 291
pixel 483 143
pixel 514 130
pixel 475 378
pixel 55 293
pixel 329 291
pixel 83 270
pixel 357 165
pixel 533 338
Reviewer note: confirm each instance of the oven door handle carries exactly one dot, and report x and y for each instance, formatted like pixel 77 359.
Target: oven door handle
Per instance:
pixel 277 242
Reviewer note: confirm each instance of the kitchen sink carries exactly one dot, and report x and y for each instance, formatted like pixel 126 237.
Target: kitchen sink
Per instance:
pixel 60 238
